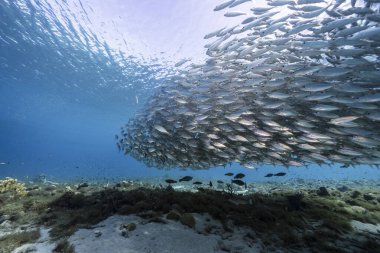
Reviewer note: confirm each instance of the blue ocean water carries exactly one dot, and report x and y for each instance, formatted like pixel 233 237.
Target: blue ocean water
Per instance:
pixel 65 90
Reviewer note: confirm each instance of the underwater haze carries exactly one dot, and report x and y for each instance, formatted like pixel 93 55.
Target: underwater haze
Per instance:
pixel 192 126
pixel 73 72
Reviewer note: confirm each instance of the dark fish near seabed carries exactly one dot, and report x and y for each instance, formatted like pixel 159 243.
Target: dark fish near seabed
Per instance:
pixel 238 182
pixel 229 174
pixel 170 181
pixel 283 88
pixel 280 174
pixel 239 175
pixel 269 175
pixel 186 179
pixel 197 183
pixel 220 182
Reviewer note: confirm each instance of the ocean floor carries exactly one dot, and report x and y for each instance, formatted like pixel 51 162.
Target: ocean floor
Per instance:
pixel 131 217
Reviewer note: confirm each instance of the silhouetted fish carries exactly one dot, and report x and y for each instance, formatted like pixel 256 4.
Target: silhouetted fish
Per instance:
pixel 269 175
pixel 280 174
pixel 170 181
pixel 197 183
pixel 239 175
pixel 186 179
pixel 229 174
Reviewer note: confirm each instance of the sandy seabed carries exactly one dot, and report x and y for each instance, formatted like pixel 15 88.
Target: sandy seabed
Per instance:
pixel 130 217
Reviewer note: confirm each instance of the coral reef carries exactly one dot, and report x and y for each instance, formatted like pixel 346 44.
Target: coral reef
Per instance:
pixel 13 187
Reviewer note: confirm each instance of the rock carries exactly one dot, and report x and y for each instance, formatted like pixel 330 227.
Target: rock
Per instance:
pixel 369 196
pixel 124 234
pixel 223 247
pixel 126 184
pixel 355 210
pixel 129 227
pixel 50 188
pixel 157 220
pixel 26 249
pixel 173 215
pixel 4 217
pixel 365 227
pixel 322 191
pixel 343 188
pixel 97 233
pixel 6 224
pixel 188 220
pixel 226 235
pixel 82 185
pixel 355 194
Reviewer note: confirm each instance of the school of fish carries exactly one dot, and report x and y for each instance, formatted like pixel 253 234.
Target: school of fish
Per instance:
pixel 296 82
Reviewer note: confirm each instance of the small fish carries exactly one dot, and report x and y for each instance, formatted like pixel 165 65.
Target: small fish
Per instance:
pixel 220 182
pixel 239 175
pixel 210 184
pixel 280 174
pixel 161 129
pixel 269 175
pixel 343 120
pixel 170 181
pixel 223 5
pixel 186 179
pixel 229 174
pixel 238 2
pixel 238 182
pixel 295 89
pixel 4 163
pixel 197 183
pixel 234 14
pixel 181 62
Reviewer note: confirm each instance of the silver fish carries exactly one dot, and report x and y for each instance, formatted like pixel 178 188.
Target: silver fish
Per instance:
pixel 294 89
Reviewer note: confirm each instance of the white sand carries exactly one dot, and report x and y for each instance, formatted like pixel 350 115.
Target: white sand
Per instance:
pixel 208 236
pixel 43 245
pixel 172 237
pixel 162 238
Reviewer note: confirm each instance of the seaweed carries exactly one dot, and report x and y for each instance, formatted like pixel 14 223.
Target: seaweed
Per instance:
pixel 63 246
pixel 287 219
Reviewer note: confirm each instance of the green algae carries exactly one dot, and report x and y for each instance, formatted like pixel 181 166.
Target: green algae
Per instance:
pixel 10 242
pixel 293 220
